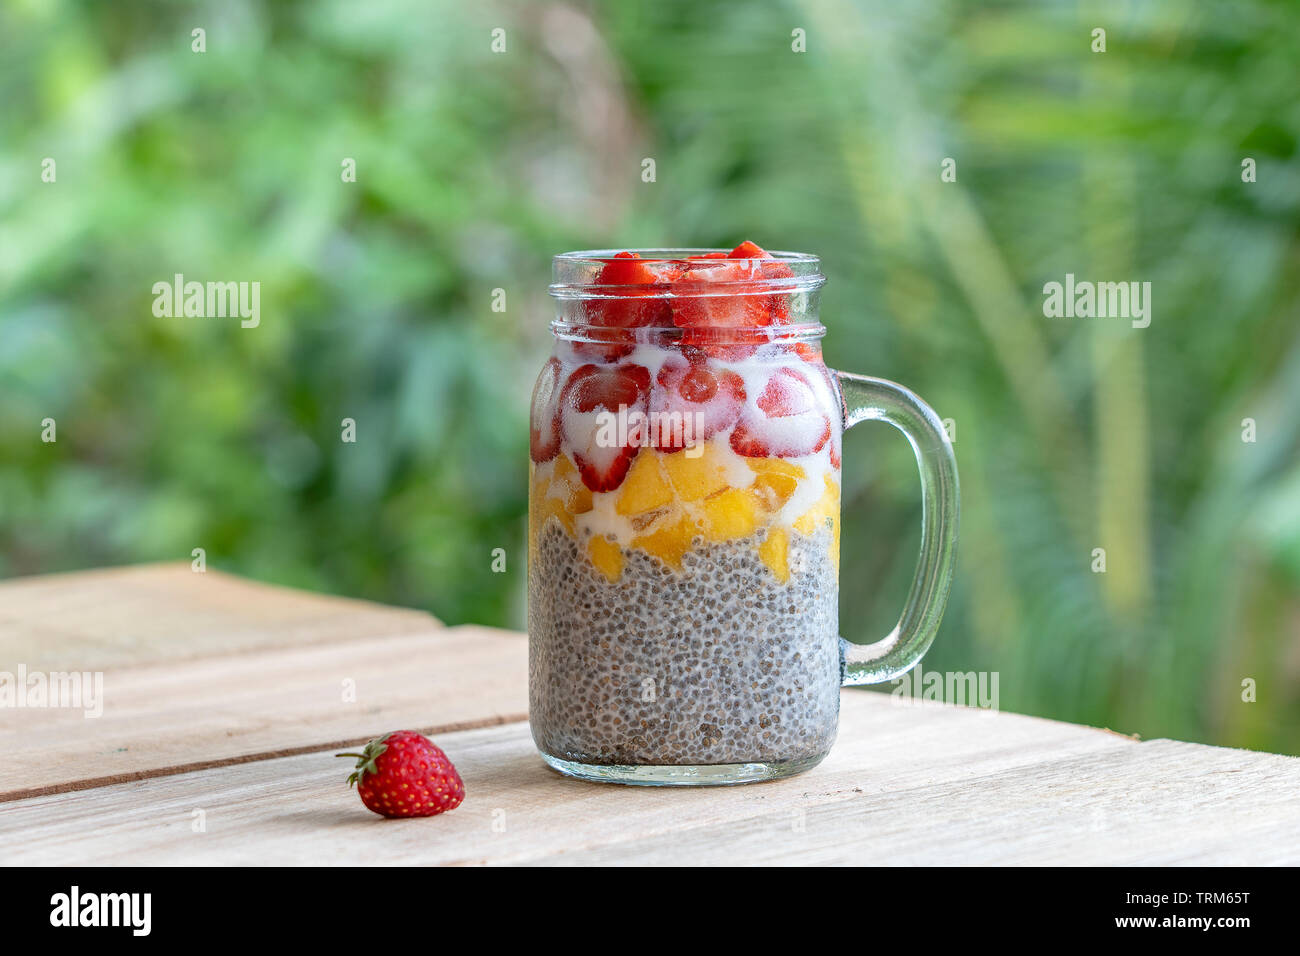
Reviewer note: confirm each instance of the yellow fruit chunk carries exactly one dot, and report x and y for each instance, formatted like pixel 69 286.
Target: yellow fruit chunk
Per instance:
pixel 774 490
pixel 827 506
pixel 578 499
pixel 835 545
pixel 556 496
pixel 694 479
pixel 644 489
pixel 607 557
pixel 775 552
pixel 731 514
pixel 564 468
pixel 777 466
pixel 672 540
pixel 553 506
pixel 647 518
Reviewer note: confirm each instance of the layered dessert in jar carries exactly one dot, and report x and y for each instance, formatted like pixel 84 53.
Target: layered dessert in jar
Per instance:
pixel 684 521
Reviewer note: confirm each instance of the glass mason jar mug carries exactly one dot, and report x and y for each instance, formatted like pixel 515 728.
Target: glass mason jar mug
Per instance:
pixel 684 520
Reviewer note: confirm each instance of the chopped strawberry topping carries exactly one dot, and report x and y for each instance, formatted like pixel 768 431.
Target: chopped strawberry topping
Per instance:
pixel 700 304
pixel 692 401
pixel 602 414
pixel 544 422
pixel 635 307
pixel 728 291
pixel 778 305
pixel 703 295
pixel 748 250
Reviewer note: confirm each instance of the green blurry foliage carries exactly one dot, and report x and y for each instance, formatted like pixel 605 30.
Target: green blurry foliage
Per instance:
pixel 474 167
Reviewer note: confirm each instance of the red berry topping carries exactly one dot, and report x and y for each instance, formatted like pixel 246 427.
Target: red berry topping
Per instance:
pixel 405 774
pixel 701 294
pixel 544 422
pixel 599 420
pixel 702 303
pixel 778 303
pixel 748 250
pixel 788 420
pixel 635 307
pixel 728 291
pixel 692 401
pixel 638 304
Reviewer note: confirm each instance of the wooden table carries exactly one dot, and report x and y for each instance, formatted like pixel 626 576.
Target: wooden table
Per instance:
pixel 230 698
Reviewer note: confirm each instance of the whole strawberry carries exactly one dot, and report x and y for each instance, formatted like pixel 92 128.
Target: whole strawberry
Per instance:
pixel 405 774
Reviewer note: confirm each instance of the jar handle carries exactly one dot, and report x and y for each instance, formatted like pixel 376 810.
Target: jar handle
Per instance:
pixel 875 399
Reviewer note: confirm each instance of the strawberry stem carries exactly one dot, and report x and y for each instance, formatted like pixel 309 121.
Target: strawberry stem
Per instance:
pixel 366 759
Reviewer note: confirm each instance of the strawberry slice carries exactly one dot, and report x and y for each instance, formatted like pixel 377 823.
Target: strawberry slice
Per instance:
pixel 748 250
pixel 702 304
pixel 823 383
pixel 740 304
pixel 634 308
pixel 786 421
pixel 597 419
pixel 544 420
pixel 694 400
pixel 778 303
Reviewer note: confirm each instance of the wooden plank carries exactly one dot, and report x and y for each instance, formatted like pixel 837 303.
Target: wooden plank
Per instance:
pixel 1160 803
pixel 168 718
pixel 904 784
pixel 95 620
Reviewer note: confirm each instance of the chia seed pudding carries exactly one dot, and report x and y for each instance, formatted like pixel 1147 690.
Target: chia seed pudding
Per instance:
pixel 716 663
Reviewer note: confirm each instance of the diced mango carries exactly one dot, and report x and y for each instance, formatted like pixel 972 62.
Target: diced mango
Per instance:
pixel 731 514
pixel 578 499
pixel 694 479
pixel 607 556
pixel 647 518
pixel 555 496
pixel 775 552
pixel 827 506
pixel 669 541
pixel 774 490
pixel 777 466
pixel 644 488
pixel 564 468
pixel 835 544
pixel 553 506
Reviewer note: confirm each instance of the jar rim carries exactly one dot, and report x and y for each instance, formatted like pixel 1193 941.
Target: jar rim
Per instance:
pixel 674 337
pixel 575 274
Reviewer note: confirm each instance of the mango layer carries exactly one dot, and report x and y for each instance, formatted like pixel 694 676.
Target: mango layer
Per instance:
pixel 671 500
